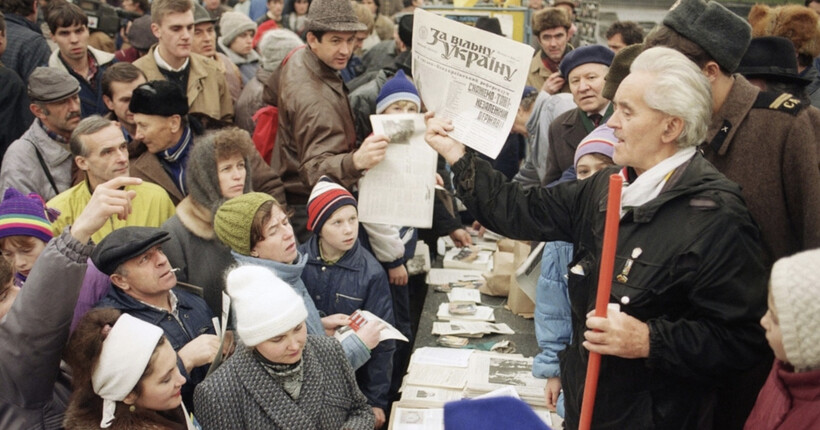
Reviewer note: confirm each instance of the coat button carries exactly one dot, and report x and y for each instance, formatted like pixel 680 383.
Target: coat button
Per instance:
pixel 625 300
pixel 324 268
pixel 186 316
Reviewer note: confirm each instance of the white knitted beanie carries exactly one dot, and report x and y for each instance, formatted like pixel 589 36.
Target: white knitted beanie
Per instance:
pixel 275 46
pixel 795 285
pixel 265 305
pixel 232 24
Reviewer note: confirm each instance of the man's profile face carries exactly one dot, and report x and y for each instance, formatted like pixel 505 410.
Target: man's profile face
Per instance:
pixel 586 83
pixel 334 49
pixel 616 43
pixel 121 98
pixel 156 132
pixel 204 42
pixel 146 275
pixel 106 155
pixel 72 41
pixel 553 42
pixel 175 33
pixel 815 5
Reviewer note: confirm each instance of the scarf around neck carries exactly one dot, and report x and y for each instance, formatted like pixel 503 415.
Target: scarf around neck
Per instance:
pixel 650 183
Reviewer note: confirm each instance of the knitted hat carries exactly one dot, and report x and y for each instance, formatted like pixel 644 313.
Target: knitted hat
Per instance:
pixel 124 244
pixel 232 25
pixel 332 15
pixel 600 141
pixel 549 17
pixel 50 84
pixel 398 88
pixel 232 221
pixel 583 55
pixel 491 413
pixel 163 98
pixel 325 198
pixel 202 178
pixel 140 35
pixel 265 305
pixel 771 58
pixel 796 23
pixel 795 285
pixel 22 215
pixel 262 29
pixel 619 69
pixel 275 46
pixel 125 354
pixel 722 34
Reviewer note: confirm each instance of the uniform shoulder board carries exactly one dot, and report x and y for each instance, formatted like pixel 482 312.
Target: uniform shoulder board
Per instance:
pixel 783 102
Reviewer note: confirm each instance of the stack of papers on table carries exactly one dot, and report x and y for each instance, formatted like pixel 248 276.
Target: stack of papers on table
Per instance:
pixel 483 313
pixel 469 329
pixel 492 371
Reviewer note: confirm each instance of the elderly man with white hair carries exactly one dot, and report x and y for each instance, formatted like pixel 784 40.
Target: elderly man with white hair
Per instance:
pixel 688 274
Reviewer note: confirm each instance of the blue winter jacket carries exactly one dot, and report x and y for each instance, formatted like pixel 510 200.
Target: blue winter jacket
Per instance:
pixel 553 324
pixel 356 281
pixel 195 318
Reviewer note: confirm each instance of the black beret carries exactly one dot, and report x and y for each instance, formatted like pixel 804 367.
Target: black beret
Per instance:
pixel 163 98
pixel 583 55
pixel 124 244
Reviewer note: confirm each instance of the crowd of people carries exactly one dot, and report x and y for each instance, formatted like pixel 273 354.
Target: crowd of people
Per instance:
pixel 201 164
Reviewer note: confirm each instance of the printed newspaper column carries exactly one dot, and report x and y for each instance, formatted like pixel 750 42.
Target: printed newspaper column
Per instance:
pixel 473 77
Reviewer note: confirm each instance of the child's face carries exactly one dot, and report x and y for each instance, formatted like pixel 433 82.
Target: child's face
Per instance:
pixel 300 7
pixel 243 44
pixel 340 231
pixel 402 106
pixel 773 333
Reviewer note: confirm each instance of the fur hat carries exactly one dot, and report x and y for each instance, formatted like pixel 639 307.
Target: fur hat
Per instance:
pixel 202 178
pixel 234 24
pixel 584 55
pixel 600 141
pixel 795 287
pixel 619 69
pixel 722 34
pixel 398 88
pixel 275 46
pixel 232 221
pixel 265 305
pixel 162 98
pixel 325 198
pixel 796 23
pixel 771 58
pixel 549 17
pixel 332 15
pixel 22 215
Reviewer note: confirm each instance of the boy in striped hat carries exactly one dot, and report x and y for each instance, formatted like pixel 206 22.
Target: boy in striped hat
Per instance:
pixel 25 229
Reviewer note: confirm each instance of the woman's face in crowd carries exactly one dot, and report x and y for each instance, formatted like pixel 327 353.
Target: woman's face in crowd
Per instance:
pixel 23 253
pixel 371 4
pixel 279 243
pixel 340 231
pixel 161 389
pixel 7 295
pixel 771 324
pixel 300 6
pixel 243 44
pixel 588 165
pixel 231 173
pixel 275 7
pixel 285 348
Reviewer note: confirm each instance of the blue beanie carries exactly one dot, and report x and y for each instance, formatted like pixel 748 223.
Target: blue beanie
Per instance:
pixel 397 89
pixel 490 414
pixel 583 55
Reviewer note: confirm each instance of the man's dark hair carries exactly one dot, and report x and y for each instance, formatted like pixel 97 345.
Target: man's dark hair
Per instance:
pixel 407 3
pixel 19 7
pixel 630 32
pixel 60 13
pixel 2 23
pixel 663 35
pixel 145 5
pixel 119 72
pixel 319 34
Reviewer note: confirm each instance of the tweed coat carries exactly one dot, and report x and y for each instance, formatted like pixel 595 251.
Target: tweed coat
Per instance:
pixel 242 395
pixel 565 133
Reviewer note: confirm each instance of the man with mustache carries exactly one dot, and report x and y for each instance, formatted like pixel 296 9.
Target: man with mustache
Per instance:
pixel 40 161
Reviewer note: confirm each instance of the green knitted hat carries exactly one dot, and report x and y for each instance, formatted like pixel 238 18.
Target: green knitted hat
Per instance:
pixel 232 222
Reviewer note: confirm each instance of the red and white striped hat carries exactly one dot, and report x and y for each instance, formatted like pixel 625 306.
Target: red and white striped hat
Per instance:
pixel 325 198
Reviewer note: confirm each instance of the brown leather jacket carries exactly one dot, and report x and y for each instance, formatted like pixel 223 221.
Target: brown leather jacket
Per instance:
pixel 316 134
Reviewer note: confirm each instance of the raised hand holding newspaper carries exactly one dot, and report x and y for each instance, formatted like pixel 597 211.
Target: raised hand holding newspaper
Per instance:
pixel 362 317
pixel 471 76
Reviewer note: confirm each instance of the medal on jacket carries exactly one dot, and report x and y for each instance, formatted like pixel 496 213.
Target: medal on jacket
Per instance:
pixel 623 276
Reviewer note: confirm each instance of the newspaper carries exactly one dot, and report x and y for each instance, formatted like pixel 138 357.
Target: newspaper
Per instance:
pixel 411 418
pixel 428 397
pixel 446 276
pixel 362 317
pixel 470 329
pixel 483 313
pixel 458 294
pixel 528 272
pixel 491 371
pixel 470 76
pixel 400 190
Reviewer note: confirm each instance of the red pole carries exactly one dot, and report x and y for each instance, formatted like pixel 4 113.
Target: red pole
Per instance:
pixel 613 217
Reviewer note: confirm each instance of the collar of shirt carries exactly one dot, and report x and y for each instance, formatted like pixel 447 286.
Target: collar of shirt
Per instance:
pixel 161 63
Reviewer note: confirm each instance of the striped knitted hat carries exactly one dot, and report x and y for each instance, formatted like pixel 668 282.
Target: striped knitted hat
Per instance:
pixel 399 88
pixel 600 141
pixel 22 215
pixel 326 197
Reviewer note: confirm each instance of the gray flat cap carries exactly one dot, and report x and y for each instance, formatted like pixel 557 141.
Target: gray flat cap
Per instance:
pixel 201 15
pixel 140 34
pixel 332 15
pixel 721 33
pixel 48 85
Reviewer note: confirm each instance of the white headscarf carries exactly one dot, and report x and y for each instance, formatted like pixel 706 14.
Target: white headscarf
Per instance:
pixel 126 352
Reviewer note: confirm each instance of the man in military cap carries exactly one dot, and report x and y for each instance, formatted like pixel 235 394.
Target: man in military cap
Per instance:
pixel 145 287
pixel 766 142
pixel 40 161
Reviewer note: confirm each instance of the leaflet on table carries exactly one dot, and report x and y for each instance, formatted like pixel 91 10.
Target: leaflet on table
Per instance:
pixel 464 295
pixel 488 372
pixel 362 317
pixel 472 77
pixel 400 190
pixel 446 276
pixel 483 313
pixel 410 418
pixel 469 328
pixel 422 396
